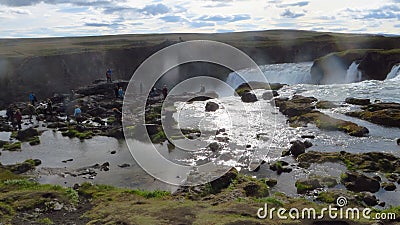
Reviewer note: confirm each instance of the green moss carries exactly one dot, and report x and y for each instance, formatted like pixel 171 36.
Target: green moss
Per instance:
pixel 327 197
pixel 34 141
pixel 150 194
pixel 71 133
pixel 12 146
pixel 158 137
pixel 302 188
pixel 45 221
pixel 275 202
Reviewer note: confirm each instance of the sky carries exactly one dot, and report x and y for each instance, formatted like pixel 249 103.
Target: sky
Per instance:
pixel 61 18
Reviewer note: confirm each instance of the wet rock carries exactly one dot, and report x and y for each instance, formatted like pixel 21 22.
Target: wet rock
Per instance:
pixel 268 95
pixel 253 85
pixel 105 166
pixel 314 182
pixel 285 153
pixel 305 185
pixel 249 97
pixel 271 182
pixel 358 101
pixel 56 125
pixel 199 99
pixel 307 144
pixel 378 178
pixel 115 133
pixel 387 117
pixel 222 139
pixel 124 165
pixel 388 186
pixel 211 107
pixel 325 105
pixel 224 181
pixel 214 146
pixel 34 141
pixel 358 182
pixel 280 167
pixel 152 129
pixel 98 111
pixel 299 147
pixel 25 135
pixel 255 189
pixel 369 199
pixel 398 141
pixel 308 136
pixel 2 143
pixel 113 152
pixel 68 160
pixel 4 127
pixel 325 122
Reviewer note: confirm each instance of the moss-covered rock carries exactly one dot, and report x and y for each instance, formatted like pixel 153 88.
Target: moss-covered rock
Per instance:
pixel 34 141
pixel 253 85
pixel 367 162
pixel 71 133
pixel 357 101
pixel 358 182
pixel 12 146
pixel 325 105
pixel 387 117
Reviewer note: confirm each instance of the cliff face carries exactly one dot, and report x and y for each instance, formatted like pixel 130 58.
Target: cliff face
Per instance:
pixel 374 65
pixel 47 66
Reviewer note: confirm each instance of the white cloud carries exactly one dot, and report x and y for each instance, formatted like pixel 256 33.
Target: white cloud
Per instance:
pixel 38 18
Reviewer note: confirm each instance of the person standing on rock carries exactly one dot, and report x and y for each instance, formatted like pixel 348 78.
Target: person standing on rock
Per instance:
pixel 32 98
pixel 120 93
pixel 31 112
pixel 165 91
pixel 117 115
pixel 108 75
pixel 116 91
pixel 18 118
pixel 77 114
pixel 9 113
pixel 49 107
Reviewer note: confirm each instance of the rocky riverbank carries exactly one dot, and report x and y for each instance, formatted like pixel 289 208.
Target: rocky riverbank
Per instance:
pixel 234 198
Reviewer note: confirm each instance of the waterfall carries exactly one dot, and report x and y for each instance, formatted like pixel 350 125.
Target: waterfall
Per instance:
pixel 353 74
pixel 285 73
pixel 394 72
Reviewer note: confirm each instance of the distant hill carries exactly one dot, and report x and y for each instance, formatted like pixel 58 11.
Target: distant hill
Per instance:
pixel 50 65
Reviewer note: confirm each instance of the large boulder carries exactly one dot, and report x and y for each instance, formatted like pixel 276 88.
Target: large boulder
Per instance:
pixel 224 181
pixel 211 107
pixel 249 97
pixel 27 134
pixel 358 182
pixel 358 101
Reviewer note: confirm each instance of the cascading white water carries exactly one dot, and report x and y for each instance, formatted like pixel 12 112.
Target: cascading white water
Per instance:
pixel 298 73
pixel 285 73
pixel 353 74
pixel 394 72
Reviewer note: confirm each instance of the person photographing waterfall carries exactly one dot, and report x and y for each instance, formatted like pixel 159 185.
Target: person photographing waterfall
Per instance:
pixel 108 75
pixel 77 114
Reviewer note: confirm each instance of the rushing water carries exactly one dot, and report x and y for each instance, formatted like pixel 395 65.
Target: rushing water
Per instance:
pixel 256 131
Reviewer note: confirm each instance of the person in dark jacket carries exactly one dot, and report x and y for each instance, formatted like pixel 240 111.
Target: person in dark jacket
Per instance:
pixel 18 118
pixel 165 91
pixel 9 113
pixel 116 90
